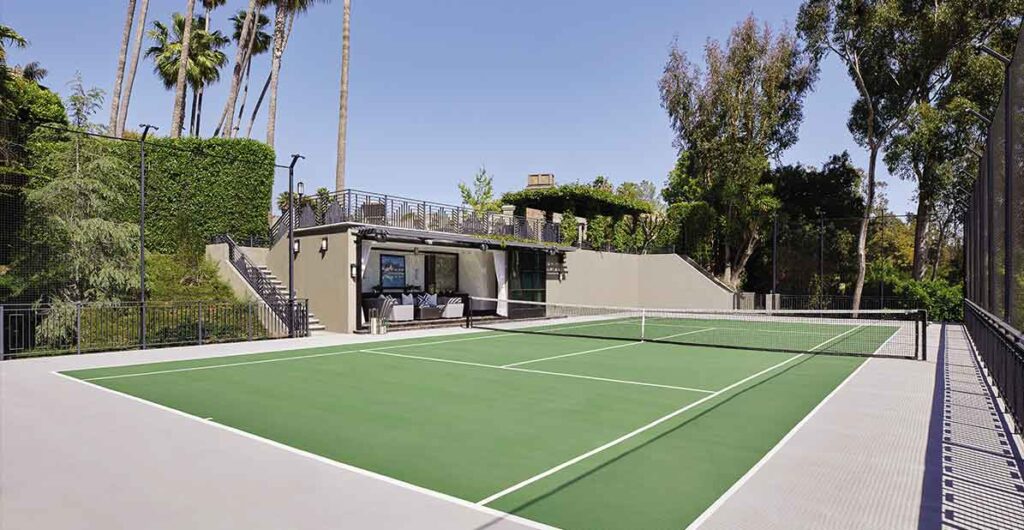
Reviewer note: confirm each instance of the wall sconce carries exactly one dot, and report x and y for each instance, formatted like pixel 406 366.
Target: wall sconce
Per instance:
pixel 323 245
pixel 295 247
pixel 353 271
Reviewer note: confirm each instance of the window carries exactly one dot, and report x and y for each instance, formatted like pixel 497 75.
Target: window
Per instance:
pixel 442 273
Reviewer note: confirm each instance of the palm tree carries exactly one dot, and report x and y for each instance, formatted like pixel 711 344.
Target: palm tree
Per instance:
pixel 284 16
pixel 339 170
pixel 32 71
pixel 209 6
pixel 122 56
pixel 258 43
pixel 9 36
pixel 178 114
pixel 204 61
pixel 227 116
pixel 126 91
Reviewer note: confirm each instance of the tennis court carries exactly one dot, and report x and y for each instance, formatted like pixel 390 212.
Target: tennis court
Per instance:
pixel 570 422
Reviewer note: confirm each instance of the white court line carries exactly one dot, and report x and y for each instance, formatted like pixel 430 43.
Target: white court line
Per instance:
pixel 839 336
pixel 531 371
pixel 629 435
pixel 684 333
pixel 520 363
pixel 768 456
pixel 212 366
pixel 322 459
pixel 734 328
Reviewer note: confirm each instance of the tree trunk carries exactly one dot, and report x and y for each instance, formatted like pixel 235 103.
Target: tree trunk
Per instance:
pixel 275 72
pixel 178 116
pixel 122 56
pixel 248 25
pixel 339 171
pixel 192 114
pixel 256 109
pixel 921 234
pixel 199 110
pixel 126 92
pixel 862 236
pixel 245 97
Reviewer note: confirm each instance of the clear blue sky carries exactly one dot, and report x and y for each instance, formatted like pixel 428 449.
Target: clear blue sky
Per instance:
pixel 439 88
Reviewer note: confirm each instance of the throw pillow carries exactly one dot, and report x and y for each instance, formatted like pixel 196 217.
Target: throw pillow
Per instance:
pixel 427 300
pixel 408 299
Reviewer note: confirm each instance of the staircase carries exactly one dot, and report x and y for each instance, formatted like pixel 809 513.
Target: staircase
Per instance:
pixel 282 290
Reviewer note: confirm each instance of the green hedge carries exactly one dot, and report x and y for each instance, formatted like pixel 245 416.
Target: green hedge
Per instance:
pixel 216 185
pixel 582 199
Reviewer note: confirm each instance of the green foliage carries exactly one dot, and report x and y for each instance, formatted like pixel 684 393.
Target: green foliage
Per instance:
pixel 171 279
pixel 585 200
pixel 730 119
pixel 83 102
pixel 76 245
pixel 481 196
pixel 204 56
pixel 28 102
pixel 568 229
pixel 221 185
pixel 599 232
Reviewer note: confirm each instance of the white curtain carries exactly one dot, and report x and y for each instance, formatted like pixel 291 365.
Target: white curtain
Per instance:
pixel 364 260
pixel 500 273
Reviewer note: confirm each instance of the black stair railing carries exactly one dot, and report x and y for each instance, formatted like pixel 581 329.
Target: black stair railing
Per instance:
pixel 264 287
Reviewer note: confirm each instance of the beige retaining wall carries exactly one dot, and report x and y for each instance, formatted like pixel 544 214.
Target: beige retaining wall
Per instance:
pixel 322 277
pixel 653 280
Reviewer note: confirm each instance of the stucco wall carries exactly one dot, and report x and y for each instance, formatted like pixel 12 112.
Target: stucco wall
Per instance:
pixel 655 281
pixel 322 277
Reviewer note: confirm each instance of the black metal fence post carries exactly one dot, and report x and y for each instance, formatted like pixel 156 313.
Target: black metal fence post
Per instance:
pixel 1009 272
pixel 3 335
pixel 142 232
pixel 199 323
pixel 78 327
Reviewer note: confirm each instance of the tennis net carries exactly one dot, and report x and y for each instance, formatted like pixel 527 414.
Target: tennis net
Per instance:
pixel 875 333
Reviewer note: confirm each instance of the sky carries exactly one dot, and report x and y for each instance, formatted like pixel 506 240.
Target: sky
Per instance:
pixel 441 88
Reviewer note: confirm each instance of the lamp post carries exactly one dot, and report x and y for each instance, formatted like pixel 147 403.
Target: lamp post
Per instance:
pixel 142 232
pixel 291 243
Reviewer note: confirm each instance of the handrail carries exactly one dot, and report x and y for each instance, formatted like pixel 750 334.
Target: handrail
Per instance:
pixel 377 209
pixel 250 272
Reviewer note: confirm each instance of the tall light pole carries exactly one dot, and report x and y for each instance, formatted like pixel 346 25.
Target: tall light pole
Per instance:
pixel 142 232
pixel 291 244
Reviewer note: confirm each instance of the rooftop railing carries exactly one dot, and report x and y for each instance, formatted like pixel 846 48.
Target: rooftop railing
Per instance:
pixel 354 206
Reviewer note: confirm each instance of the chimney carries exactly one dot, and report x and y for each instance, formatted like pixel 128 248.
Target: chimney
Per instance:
pixel 536 181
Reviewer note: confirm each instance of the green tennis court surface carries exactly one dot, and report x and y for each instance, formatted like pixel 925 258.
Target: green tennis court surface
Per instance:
pixel 577 432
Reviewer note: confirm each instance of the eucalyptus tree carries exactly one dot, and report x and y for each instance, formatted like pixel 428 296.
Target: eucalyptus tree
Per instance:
pixel 731 119
pixel 129 82
pixel 346 22
pixel 859 33
pixel 202 65
pixel 180 85
pixel 122 56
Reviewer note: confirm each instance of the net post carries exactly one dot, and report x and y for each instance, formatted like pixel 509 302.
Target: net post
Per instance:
pixel 643 325
pixel 469 312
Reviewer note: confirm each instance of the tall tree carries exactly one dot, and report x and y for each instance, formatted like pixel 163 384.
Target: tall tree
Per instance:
pixel 197 115
pixel 225 125
pixel 202 65
pixel 122 56
pixel 858 32
pixel 930 36
pixel 9 37
pixel 284 17
pixel 126 90
pixel 339 171
pixel 178 116
pixel 730 121
pixel 258 44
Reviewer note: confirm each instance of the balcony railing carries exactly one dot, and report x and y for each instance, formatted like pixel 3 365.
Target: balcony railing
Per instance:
pixel 354 206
